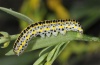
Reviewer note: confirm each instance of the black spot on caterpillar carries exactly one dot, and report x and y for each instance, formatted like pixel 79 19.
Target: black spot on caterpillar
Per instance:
pixel 45 28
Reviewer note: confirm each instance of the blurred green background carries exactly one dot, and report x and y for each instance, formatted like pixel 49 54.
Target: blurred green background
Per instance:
pixel 87 12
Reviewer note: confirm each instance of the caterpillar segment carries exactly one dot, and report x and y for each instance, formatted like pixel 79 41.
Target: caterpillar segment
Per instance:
pixel 44 28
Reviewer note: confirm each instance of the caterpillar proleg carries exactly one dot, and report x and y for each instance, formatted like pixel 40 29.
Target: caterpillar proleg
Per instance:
pixel 44 28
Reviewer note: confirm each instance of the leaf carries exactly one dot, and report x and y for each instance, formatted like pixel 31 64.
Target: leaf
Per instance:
pixel 40 59
pixel 51 53
pixel 16 14
pixel 38 42
pixel 10 53
pixel 59 49
pixel 44 50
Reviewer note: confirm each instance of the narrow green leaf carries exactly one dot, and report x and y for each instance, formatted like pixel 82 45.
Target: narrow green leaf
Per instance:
pixel 16 14
pixel 57 52
pixel 38 42
pixel 40 59
pixel 51 53
pixel 48 63
pixel 63 48
pixel 10 52
pixel 44 50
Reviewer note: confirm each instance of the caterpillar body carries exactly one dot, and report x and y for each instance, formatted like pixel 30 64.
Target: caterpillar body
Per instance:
pixel 44 28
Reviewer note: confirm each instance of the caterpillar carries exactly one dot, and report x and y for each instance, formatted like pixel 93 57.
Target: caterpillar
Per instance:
pixel 44 28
